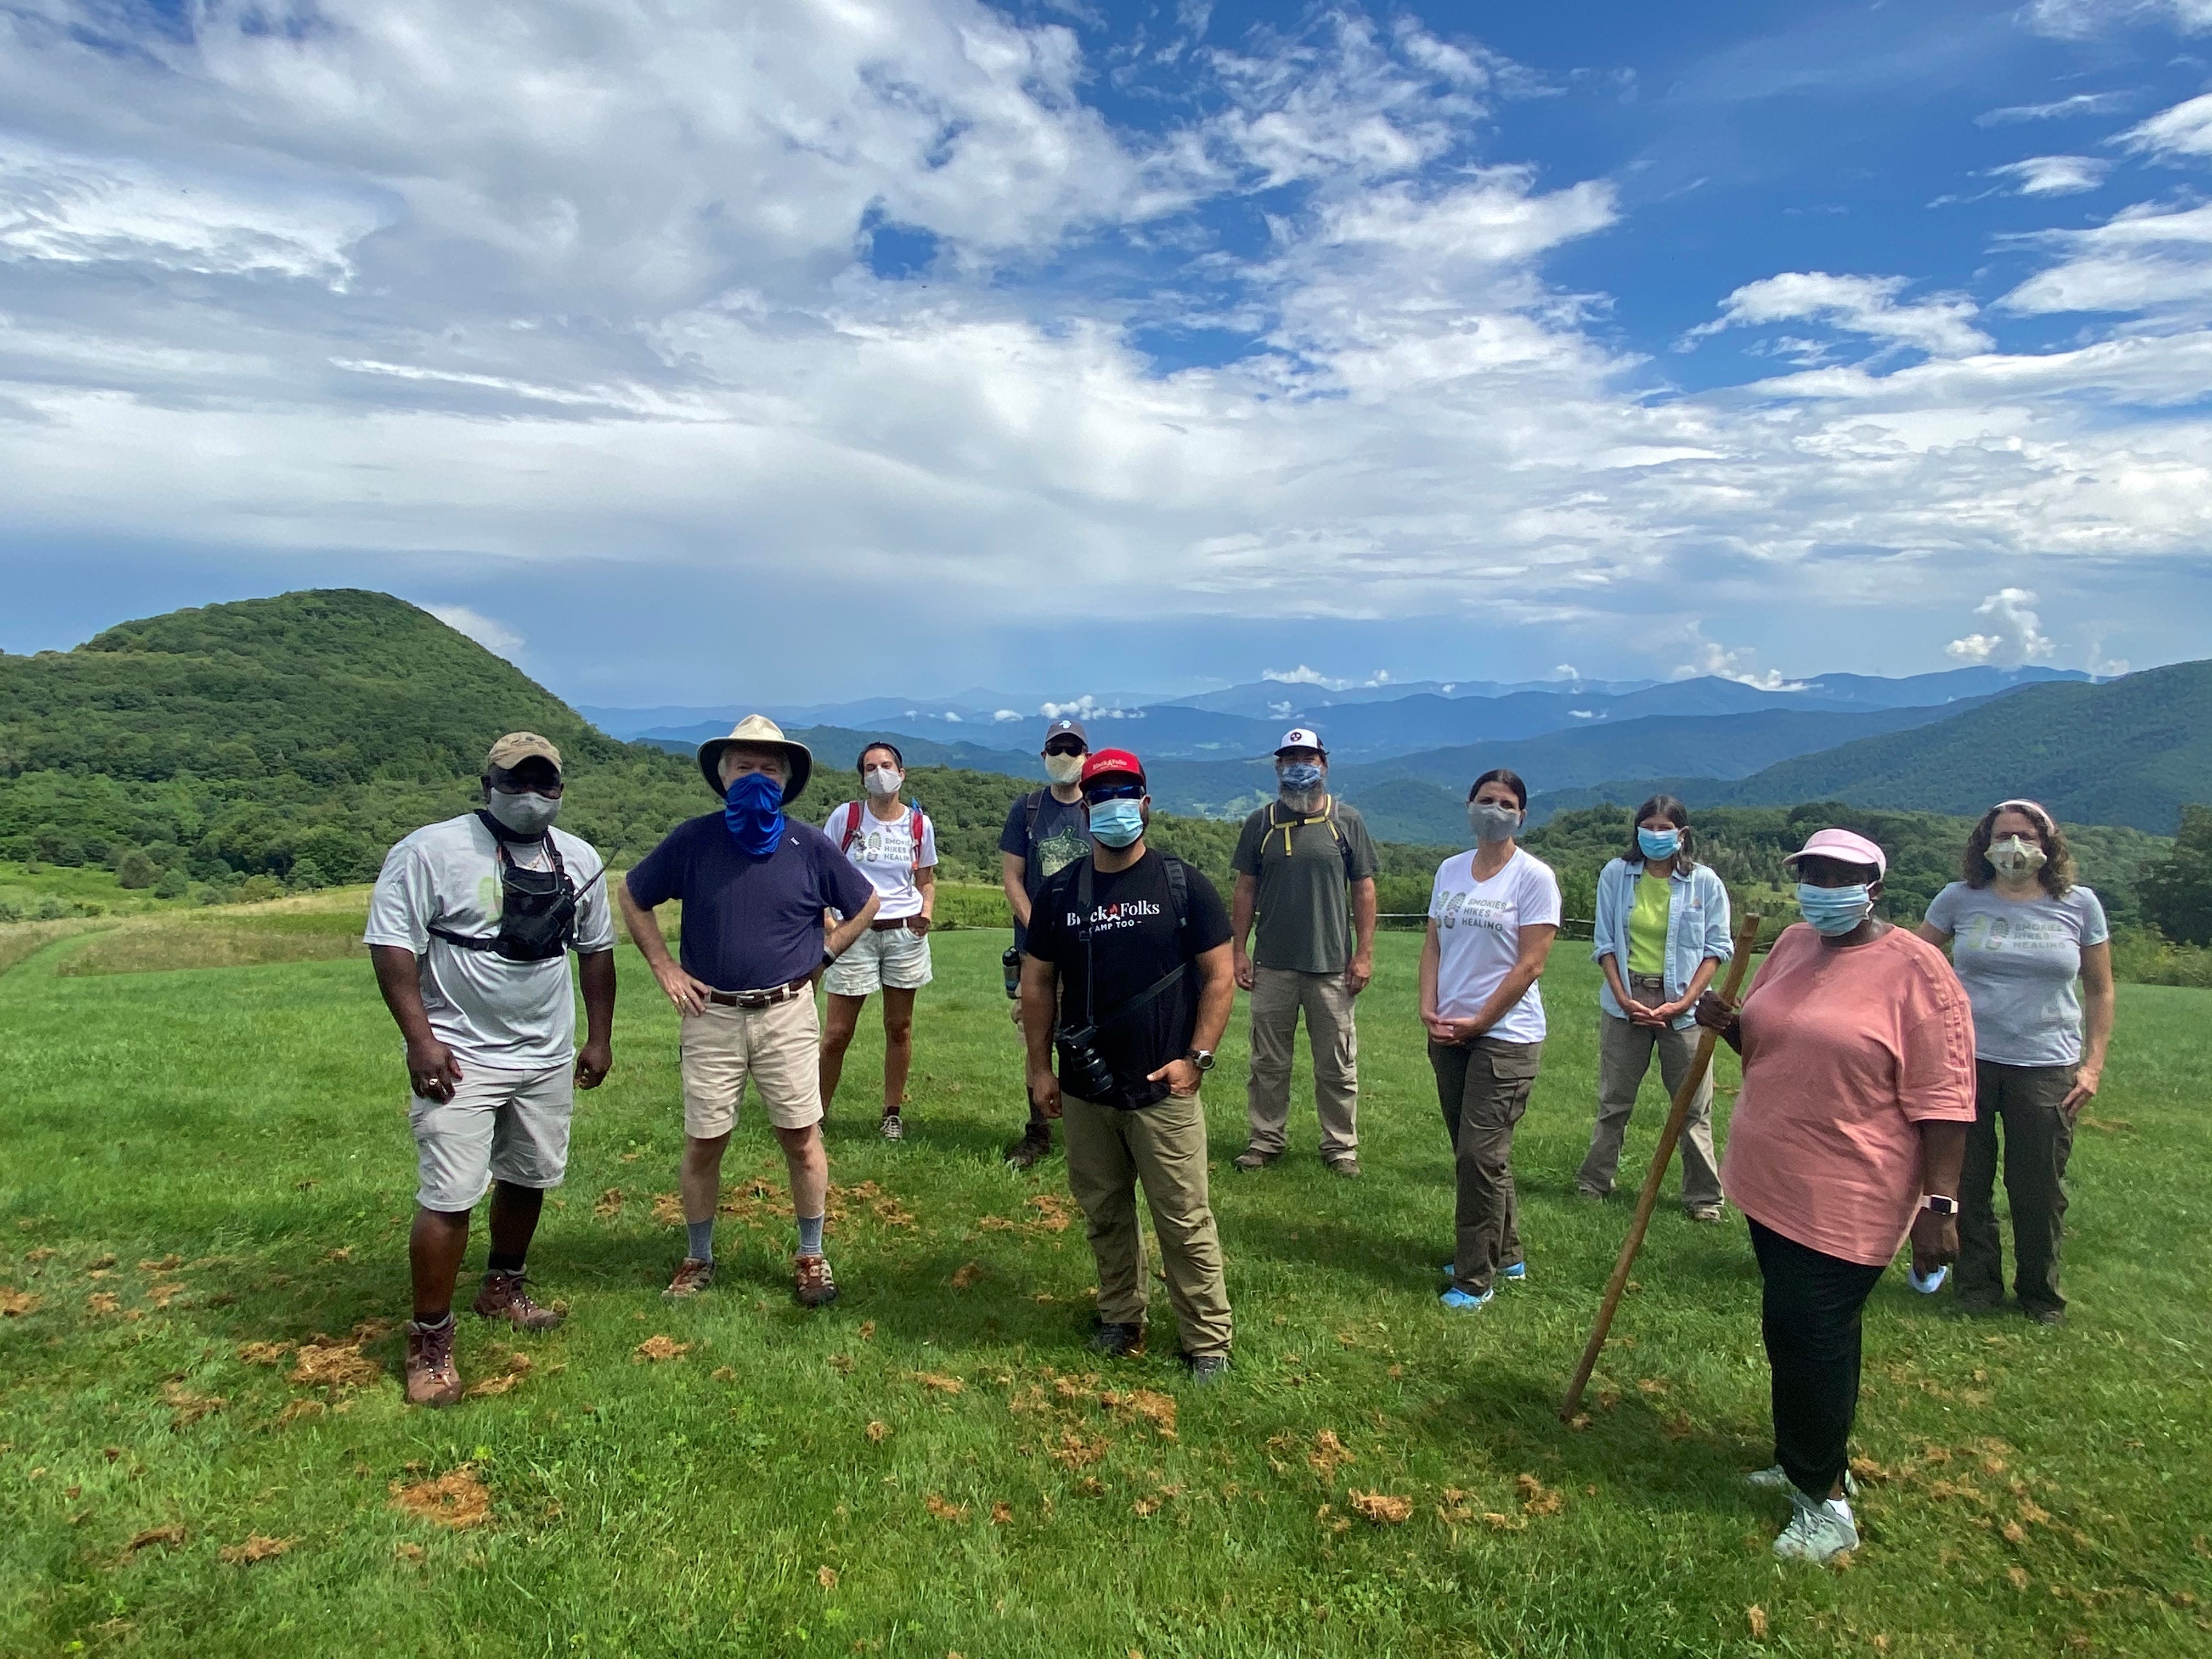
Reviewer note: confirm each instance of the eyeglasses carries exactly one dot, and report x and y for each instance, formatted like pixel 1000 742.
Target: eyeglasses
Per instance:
pixel 1115 792
pixel 1064 746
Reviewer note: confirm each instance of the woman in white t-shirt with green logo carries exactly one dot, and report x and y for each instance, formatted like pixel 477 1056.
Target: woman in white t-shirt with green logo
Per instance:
pixel 2021 933
pixel 894 847
pixel 1493 913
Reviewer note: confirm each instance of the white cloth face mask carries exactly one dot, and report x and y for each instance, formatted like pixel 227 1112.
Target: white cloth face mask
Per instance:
pixel 1063 769
pixel 885 782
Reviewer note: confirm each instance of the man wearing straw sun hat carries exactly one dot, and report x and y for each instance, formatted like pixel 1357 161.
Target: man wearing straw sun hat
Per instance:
pixel 754 882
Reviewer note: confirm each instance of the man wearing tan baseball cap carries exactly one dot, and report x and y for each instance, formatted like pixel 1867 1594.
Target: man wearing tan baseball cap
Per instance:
pixel 470 928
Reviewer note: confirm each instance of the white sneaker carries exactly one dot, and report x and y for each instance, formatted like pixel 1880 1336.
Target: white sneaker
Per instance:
pixel 1820 1529
pixel 1772 1479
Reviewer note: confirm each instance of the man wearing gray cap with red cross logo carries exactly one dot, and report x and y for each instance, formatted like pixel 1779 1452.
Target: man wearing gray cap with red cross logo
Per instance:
pixel 1305 872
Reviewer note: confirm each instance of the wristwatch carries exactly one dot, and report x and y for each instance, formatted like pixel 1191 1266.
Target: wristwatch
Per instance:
pixel 1940 1204
pixel 1201 1058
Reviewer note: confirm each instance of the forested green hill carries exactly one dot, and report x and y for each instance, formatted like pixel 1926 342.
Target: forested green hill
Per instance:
pixel 2131 751
pixel 296 737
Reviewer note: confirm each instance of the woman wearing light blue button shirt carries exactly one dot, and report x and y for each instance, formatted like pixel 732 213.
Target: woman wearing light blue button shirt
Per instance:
pixel 1662 934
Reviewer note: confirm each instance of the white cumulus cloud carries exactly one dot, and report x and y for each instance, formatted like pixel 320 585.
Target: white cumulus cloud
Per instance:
pixel 495 636
pixel 1303 675
pixel 2018 635
pixel 1940 324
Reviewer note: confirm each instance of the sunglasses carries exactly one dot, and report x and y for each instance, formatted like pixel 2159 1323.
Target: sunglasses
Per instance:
pixel 1115 792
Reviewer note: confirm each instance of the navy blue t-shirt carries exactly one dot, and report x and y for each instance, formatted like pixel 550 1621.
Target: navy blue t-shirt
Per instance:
pixel 750 924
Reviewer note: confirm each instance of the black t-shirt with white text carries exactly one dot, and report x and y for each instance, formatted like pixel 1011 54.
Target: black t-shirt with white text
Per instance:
pixel 1135 941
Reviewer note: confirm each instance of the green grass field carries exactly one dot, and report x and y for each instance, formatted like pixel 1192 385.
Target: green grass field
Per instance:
pixel 196 1162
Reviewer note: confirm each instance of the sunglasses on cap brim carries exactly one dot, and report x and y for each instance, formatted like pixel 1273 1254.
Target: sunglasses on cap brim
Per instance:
pixel 1126 791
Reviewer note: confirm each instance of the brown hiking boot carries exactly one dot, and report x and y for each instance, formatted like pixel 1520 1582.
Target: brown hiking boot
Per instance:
pixel 431 1378
pixel 817 1288
pixel 503 1297
pixel 692 1276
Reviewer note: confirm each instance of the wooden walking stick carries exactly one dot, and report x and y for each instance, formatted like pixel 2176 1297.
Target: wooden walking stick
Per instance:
pixel 1661 1155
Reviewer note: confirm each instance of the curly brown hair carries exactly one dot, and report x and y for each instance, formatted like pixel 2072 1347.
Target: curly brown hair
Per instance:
pixel 2057 874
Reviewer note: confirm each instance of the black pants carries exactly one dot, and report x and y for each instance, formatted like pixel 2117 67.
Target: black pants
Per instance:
pixel 1810 1318
pixel 2039 1139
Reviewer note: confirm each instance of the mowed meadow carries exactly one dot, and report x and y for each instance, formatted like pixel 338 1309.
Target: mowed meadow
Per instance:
pixel 205 1183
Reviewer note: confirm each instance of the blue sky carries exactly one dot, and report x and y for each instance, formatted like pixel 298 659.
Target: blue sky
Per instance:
pixel 705 353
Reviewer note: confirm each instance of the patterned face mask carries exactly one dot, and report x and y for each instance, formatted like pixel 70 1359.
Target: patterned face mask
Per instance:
pixel 2016 856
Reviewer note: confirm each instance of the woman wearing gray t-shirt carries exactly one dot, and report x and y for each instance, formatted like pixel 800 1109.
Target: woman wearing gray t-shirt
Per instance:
pixel 2021 934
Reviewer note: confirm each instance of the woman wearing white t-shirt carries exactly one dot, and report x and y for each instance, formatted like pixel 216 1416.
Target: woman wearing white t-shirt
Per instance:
pixel 1493 913
pixel 2021 932
pixel 895 846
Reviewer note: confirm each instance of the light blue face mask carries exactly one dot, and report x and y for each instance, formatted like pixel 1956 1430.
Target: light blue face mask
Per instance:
pixel 1117 823
pixel 1659 843
pixel 1833 911
pixel 1300 777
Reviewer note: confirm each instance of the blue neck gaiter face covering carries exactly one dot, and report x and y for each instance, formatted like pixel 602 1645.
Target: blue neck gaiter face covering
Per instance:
pixel 752 806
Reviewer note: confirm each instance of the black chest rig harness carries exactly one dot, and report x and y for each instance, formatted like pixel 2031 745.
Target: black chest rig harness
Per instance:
pixel 538 908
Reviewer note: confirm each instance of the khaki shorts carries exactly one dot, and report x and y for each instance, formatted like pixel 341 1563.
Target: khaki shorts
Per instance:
pixel 779 1048
pixel 499 1125
pixel 895 960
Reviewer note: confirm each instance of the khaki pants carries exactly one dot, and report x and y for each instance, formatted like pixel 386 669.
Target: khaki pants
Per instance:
pixel 779 1048
pixel 1623 1055
pixel 2039 1139
pixel 1163 1146
pixel 1277 994
pixel 1482 1087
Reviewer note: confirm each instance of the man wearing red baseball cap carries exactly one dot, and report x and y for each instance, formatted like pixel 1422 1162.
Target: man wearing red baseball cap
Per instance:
pixel 1132 948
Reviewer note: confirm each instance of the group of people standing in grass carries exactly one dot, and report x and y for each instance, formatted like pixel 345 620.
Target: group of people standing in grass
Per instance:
pixel 1875 1070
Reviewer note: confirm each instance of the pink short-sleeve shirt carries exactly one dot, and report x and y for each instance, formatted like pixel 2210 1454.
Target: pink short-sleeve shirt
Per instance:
pixel 1847 1051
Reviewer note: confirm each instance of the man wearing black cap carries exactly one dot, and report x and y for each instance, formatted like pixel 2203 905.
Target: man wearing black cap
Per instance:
pixel 470 928
pixel 1045 831
pixel 1128 975
pixel 1305 865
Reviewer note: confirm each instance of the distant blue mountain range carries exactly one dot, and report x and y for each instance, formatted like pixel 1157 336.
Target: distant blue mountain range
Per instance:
pixel 1360 725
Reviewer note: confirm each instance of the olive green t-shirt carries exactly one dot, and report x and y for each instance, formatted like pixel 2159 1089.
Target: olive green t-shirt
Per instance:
pixel 1304 868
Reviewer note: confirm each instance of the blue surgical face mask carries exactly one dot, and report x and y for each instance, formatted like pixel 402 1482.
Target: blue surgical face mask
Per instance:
pixel 752 807
pixel 1300 777
pixel 1833 911
pixel 1117 823
pixel 1659 843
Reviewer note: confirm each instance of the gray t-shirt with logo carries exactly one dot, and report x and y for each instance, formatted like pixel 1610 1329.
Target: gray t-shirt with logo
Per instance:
pixel 2018 960
pixel 504 1016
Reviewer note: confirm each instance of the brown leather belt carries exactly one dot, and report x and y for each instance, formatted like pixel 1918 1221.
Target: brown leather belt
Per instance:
pixel 761 999
pixel 891 926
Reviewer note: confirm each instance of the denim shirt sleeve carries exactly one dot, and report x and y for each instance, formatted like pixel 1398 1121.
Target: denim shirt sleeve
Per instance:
pixel 1689 944
pixel 1609 934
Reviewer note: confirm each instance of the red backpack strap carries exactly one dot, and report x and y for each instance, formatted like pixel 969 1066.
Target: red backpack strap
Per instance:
pixel 914 833
pixel 852 827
